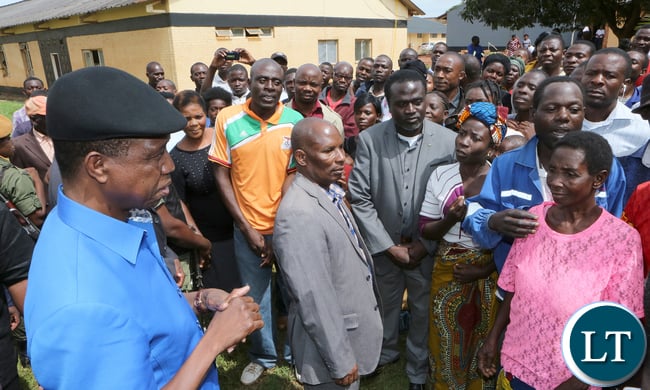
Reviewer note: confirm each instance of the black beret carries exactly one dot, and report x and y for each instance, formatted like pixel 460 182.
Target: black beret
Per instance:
pixel 101 103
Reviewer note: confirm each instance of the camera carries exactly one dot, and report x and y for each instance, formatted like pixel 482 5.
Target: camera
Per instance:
pixel 232 55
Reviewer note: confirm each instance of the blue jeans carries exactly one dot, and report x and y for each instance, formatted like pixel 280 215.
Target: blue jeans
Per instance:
pixel 262 350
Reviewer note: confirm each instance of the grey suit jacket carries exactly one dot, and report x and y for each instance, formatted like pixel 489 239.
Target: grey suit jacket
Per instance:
pixel 334 318
pixel 30 154
pixel 376 180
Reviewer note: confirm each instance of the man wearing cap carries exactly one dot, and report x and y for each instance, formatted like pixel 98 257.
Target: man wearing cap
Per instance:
pixel 22 187
pixel 35 149
pixel 251 151
pixel 281 59
pixel 120 321
pixel 20 119
pixel 339 98
pixel 308 88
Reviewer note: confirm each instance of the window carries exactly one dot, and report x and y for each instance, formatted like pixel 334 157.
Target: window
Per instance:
pixel 27 59
pixel 443 35
pixel 433 35
pixel 3 62
pixel 328 51
pixel 242 32
pixel 362 48
pixel 93 57
pixel 419 35
pixel 56 65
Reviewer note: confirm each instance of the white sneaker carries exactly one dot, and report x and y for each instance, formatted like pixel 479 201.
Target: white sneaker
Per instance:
pixel 252 372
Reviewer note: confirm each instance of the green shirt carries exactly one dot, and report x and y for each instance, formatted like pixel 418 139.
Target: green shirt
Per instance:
pixel 18 187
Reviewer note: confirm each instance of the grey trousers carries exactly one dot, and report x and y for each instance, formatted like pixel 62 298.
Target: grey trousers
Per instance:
pixel 392 280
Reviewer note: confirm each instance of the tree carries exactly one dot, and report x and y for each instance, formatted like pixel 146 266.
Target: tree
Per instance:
pixel 622 16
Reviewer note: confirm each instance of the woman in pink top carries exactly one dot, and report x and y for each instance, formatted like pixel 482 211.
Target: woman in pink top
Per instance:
pixel 579 254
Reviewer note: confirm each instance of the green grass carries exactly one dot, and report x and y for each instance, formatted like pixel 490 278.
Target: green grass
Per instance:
pixel 279 378
pixel 7 107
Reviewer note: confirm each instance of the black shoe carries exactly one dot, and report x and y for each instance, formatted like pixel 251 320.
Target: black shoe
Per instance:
pixel 416 386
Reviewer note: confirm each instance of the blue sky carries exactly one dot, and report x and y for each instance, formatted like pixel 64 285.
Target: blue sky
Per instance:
pixel 434 7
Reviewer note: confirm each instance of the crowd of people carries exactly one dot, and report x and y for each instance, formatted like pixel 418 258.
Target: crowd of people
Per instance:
pixel 476 203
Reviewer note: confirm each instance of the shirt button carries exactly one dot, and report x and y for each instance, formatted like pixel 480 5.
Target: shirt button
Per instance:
pixel 368 277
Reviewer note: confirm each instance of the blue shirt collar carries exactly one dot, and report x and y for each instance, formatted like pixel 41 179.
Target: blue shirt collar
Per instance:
pixel 102 228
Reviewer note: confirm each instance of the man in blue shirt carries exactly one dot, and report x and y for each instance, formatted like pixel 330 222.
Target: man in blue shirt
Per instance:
pixel 517 179
pixel 103 311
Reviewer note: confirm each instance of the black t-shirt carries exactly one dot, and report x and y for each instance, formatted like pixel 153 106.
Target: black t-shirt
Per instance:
pixel 15 256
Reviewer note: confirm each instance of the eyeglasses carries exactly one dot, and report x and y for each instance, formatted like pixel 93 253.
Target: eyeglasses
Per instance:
pixel 340 76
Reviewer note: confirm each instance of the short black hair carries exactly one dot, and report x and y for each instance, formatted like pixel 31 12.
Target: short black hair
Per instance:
pixel 290 70
pixel 472 66
pixel 402 76
pixel 643 27
pixel 500 58
pixel 237 68
pixel 554 36
pixel 187 97
pixel 217 93
pixel 541 88
pixel 644 63
pixel 366 98
pixel 32 78
pixel 598 153
pixel 443 98
pixel 70 154
pixel 590 44
pixel 490 89
pixel 609 51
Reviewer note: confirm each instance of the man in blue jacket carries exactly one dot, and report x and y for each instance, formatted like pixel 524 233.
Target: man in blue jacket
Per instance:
pixel 517 180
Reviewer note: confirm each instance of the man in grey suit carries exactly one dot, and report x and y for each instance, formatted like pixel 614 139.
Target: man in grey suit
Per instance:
pixel 393 163
pixel 334 322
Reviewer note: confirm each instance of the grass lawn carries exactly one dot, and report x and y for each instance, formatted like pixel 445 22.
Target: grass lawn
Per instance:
pixel 280 378
pixel 7 107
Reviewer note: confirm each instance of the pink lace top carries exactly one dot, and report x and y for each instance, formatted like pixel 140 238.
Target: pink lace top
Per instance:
pixel 552 275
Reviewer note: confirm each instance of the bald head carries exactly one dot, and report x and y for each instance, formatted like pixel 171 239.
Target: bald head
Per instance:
pixel 318 151
pixel 405 56
pixel 155 73
pixel 342 76
pixel 309 83
pixel 265 63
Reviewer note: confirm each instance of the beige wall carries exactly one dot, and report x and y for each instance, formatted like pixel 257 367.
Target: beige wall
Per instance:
pixel 415 42
pixel 129 51
pixel 367 9
pixel 300 44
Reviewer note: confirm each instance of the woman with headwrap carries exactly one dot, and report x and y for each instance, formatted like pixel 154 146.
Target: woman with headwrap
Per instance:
pixel 464 276
pixel 516 70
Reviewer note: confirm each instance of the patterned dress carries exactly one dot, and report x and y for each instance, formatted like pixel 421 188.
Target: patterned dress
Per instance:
pixel 461 314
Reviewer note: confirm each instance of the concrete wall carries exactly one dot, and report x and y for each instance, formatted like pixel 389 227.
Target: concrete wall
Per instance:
pixel 460 32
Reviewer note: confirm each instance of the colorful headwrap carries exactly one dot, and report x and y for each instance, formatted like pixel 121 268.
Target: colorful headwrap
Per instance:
pixel 519 63
pixel 487 114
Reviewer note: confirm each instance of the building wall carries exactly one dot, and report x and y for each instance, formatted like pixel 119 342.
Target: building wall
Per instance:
pixel 129 51
pixel 415 42
pixel 144 34
pixel 370 9
pixel 300 44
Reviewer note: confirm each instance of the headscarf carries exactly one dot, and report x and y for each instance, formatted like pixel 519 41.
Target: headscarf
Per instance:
pixel 519 64
pixel 487 114
pixel 35 105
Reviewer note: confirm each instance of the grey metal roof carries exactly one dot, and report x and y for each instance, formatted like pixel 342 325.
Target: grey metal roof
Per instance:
pixel 34 11
pixel 425 26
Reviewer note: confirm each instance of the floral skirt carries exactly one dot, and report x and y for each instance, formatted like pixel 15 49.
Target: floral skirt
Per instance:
pixel 460 316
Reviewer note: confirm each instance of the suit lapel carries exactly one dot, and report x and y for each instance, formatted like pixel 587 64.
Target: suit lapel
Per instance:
pixel 329 207
pixel 36 149
pixel 392 149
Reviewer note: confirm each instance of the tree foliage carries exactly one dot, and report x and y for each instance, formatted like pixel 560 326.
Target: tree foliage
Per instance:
pixel 621 16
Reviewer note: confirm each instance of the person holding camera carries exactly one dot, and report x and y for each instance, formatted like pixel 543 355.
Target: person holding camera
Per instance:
pixel 221 62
